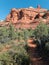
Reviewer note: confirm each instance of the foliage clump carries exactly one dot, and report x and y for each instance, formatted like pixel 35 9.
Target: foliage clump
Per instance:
pixel 41 30
pixel 41 33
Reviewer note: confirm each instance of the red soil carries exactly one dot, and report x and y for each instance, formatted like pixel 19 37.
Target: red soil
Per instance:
pixel 33 53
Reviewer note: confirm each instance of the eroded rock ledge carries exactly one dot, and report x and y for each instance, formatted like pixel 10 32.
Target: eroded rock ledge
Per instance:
pixel 27 17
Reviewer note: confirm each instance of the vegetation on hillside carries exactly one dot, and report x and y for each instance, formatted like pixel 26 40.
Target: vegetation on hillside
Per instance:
pixel 13 44
pixel 41 34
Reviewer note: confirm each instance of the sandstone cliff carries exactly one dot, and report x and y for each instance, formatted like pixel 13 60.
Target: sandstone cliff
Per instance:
pixel 27 17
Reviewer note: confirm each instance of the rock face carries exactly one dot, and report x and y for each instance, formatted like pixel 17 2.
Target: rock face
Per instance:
pixel 27 17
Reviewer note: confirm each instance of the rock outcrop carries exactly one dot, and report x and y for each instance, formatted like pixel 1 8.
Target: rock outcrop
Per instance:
pixel 27 17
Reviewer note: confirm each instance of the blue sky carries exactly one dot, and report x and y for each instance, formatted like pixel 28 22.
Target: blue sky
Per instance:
pixel 7 5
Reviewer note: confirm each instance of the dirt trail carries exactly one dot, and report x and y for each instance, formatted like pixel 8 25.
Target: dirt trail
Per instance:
pixel 34 54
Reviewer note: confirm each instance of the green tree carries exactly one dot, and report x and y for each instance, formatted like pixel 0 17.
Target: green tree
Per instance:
pixel 41 30
pixel 4 34
pixel 42 38
pixel 12 32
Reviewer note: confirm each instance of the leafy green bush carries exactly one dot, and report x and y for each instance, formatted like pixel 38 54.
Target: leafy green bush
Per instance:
pixel 41 34
pixel 41 30
pixel 12 32
pixel 4 34
pixel 16 54
pixel 22 57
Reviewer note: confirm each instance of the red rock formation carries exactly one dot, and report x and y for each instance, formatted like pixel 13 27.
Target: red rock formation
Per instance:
pixel 27 17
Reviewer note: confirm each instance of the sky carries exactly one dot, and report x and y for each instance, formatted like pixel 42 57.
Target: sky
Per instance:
pixel 7 5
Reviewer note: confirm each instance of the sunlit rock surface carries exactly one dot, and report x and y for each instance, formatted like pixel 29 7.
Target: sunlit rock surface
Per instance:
pixel 27 17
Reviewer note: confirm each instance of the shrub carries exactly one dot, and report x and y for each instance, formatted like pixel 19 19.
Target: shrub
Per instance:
pixel 22 58
pixel 41 30
pixel 41 34
pixel 12 32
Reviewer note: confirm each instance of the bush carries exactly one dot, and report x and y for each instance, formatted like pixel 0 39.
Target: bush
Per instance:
pixel 21 58
pixel 12 32
pixel 41 34
pixel 41 30
pixel 4 34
